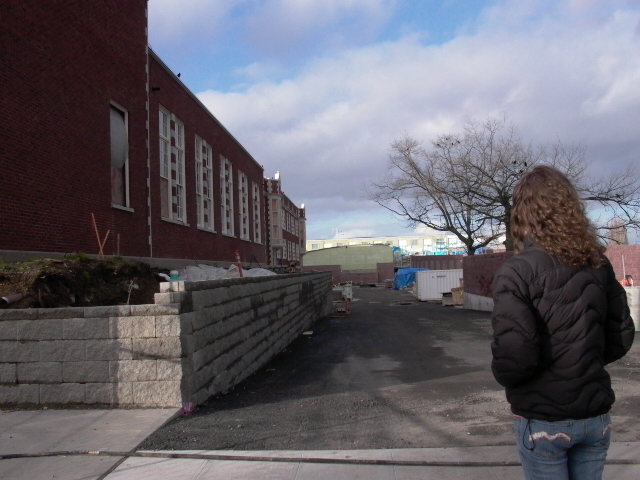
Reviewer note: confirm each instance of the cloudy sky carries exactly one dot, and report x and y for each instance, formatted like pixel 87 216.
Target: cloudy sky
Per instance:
pixel 318 89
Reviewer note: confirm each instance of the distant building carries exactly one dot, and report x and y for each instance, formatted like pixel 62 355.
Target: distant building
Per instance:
pixel 286 231
pixel 618 233
pixel 441 244
pixel 356 263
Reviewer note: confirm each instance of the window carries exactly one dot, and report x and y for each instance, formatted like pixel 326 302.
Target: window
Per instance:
pixel 165 157
pixel 119 157
pixel 178 184
pixel 275 218
pixel 165 142
pixel 172 191
pixel 204 185
pixel 257 227
pixel 315 246
pixel 243 195
pixel 226 196
pixel 414 243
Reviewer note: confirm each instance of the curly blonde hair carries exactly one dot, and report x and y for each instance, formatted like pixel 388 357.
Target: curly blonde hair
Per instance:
pixel 548 211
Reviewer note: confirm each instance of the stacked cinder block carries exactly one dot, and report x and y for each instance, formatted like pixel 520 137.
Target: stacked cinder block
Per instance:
pixel 236 326
pixel 119 355
pixel 200 338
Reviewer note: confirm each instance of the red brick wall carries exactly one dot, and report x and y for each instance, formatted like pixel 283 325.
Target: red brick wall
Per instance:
pixel 383 272
pixel 359 277
pixel 336 271
pixel 631 254
pixel 386 271
pixel 478 271
pixel 436 262
pixel 63 62
pixel 178 241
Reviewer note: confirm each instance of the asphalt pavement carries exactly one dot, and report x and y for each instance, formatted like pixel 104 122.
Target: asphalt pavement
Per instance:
pixel 398 390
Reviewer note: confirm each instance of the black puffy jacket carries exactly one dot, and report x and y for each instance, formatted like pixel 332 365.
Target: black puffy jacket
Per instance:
pixel 554 330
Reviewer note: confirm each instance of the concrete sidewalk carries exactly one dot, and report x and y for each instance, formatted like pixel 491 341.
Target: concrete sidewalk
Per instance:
pixel 101 444
pixel 32 432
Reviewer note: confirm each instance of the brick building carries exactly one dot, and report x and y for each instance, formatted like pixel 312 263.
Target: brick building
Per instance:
pixel 286 231
pixel 206 189
pixel 97 126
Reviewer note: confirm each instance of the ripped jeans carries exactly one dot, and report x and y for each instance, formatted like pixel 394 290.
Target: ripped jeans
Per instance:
pixel 564 450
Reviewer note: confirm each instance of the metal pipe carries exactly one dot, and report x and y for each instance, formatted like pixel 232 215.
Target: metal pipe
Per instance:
pixel 11 298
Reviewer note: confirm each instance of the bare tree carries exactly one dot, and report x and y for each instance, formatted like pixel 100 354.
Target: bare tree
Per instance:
pixel 464 183
pixel 425 188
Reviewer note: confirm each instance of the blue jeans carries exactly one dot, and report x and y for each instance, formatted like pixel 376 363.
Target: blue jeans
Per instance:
pixel 565 450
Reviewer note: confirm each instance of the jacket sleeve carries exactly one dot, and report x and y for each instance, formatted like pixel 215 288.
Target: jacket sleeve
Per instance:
pixel 515 345
pixel 619 329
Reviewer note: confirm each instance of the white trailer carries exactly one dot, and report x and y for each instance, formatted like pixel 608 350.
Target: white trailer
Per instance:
pixel 431 284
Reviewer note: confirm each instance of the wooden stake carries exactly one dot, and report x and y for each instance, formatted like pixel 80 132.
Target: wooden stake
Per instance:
pixel 95 227
pixel 103 242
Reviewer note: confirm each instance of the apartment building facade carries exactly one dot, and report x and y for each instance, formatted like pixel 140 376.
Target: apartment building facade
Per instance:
pixel 287 224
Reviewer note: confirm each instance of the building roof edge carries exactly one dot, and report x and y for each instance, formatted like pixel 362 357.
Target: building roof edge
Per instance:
pixel 197 100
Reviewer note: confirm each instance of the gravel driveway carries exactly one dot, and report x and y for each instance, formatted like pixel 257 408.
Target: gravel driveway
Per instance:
pixel 395 373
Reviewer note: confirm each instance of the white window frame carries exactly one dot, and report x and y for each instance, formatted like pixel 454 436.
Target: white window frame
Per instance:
pixel 178 150
pixel 172 167
pixel 257 213
pixel 165 142
pixel 243 196
pixel 204 184
pixel 275 218
pixel 226 196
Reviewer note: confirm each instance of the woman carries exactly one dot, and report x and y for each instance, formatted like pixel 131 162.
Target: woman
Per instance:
pixel 559 317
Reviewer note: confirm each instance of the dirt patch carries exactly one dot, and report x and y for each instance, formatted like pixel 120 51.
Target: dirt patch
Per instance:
pixel 78 281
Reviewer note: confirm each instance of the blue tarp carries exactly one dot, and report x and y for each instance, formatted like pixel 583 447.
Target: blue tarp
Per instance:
pixel 405 276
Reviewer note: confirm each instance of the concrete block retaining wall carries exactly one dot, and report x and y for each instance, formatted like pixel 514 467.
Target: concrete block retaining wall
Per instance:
pixel 198 339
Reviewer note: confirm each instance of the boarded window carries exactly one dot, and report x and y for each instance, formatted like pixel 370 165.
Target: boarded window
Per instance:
pixel 119 157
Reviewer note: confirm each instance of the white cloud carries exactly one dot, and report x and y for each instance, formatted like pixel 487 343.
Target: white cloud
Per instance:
pixel 189 20
pixel 565 70
pixel 280 27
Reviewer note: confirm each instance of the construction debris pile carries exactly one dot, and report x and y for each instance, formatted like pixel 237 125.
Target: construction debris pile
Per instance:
pixel 197 273
pixel 77 281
